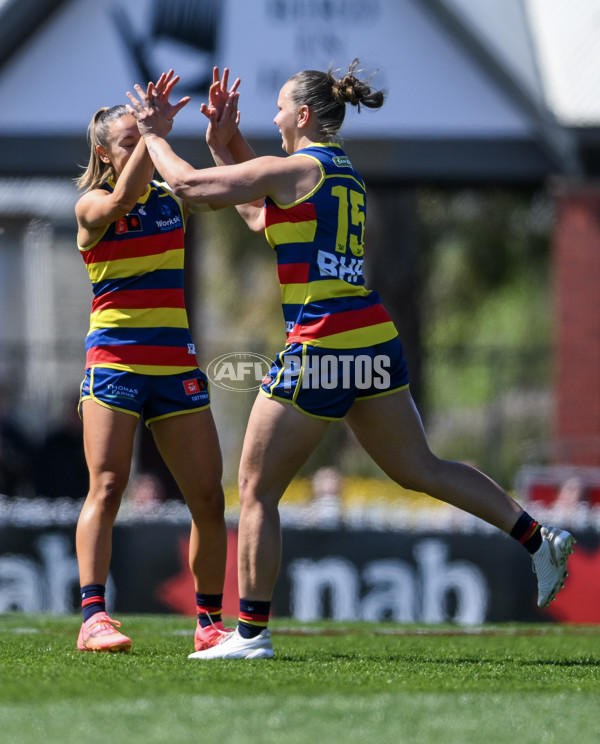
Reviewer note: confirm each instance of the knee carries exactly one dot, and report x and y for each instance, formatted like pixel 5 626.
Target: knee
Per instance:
pixel 208 505
pixel 106 491
pixel 261 495
pixel 247 488
pixel 421 475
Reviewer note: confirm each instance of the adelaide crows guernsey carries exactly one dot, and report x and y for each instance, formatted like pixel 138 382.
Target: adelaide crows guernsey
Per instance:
pixel 319 245
pixel 138 321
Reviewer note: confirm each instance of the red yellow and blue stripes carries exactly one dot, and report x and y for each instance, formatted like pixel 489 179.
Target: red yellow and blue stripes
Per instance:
pixel 318 241
pixel 138 320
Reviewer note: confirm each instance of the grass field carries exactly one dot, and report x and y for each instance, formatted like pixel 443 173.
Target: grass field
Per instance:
pixel 329 683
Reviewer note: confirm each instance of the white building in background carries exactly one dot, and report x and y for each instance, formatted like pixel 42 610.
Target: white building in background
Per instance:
pixel 489 92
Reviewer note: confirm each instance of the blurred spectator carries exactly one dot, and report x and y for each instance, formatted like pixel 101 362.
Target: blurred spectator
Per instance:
pixel 16 455
pixel 146 491
pixel 325 507
pixel 60 469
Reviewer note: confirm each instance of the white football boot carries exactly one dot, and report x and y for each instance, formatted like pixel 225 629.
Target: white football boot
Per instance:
pixel 233 646
pixel 550 563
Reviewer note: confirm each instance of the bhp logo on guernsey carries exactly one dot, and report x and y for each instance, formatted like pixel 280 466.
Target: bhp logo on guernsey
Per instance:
pixel 239 371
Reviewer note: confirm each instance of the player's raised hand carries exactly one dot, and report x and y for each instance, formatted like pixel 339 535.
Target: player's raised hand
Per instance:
pixel 223 123
pixel 152 110
pixel 218 95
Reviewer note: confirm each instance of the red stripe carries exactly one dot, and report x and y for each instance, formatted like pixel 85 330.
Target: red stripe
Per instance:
pixel 348 320
pixel 156 356
pixel 209 610
pixel 92 600
pixel 293 273
pixel 529 532
pixel 300 213
pixel 139 298
pixel 252 618
pixel 112 250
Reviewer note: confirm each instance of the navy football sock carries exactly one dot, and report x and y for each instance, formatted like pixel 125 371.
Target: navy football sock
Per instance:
pixel 92 600
pixel 527 532
pixel 253 618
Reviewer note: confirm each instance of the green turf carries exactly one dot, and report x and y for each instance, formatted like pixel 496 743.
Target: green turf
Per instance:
pixel 334 683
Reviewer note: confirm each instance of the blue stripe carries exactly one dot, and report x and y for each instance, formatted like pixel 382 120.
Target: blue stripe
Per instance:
pixel 316 310
pixel 160 279
pixel 289 253
pixel 143 336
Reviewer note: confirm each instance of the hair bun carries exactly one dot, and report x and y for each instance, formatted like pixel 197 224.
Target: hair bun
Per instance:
pixel 348 90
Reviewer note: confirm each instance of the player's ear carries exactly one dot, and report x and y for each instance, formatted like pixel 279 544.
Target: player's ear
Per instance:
pixel 303 116
pixel 102 154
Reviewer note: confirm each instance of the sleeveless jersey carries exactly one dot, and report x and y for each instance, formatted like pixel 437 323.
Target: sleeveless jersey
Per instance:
pixel 319 245
pixel 138 321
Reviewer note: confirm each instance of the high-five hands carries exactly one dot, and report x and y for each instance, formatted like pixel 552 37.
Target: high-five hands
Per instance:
pixel 221 110
pixel 151 109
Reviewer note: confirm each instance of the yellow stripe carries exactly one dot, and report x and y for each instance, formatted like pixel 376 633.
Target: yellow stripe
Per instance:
pixel 122 267
pixel 300 294
pixel 145 369
pixel 112 408
pixel 164 317
pixel 359 337
pixel 251 622
pixel 152 420
pixel 299 408
pixel 291 232
pixel 383 392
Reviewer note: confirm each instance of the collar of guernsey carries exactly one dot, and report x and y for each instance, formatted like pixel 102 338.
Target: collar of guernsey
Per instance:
pixel 320 252
pixel 138 321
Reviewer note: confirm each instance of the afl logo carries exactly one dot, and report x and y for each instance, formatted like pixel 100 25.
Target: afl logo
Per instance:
pixel 240 371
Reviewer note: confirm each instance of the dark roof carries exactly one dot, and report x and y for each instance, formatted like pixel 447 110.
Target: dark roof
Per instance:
pixel 19 21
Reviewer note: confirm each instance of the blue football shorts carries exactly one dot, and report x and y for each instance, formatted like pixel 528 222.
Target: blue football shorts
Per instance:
pixel 153 397
pixel 326 382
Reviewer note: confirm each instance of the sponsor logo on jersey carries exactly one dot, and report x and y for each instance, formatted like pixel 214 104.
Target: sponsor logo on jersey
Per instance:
pixel 129 223
pixel 340 267
pixel 342 162
pixel 171 224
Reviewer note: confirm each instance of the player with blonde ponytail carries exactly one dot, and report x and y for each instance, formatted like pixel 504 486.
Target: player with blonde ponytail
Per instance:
pixel 141 363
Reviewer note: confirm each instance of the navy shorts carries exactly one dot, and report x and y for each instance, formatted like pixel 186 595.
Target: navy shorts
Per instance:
pixel 151 396
pixel 326 382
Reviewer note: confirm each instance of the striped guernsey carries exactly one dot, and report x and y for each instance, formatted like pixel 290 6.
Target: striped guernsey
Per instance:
pixel 138 321
pixel 319 245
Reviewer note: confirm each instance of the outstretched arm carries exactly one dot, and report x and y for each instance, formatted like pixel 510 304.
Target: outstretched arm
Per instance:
pixel 98 208
pixel 285 179
pixel 156 98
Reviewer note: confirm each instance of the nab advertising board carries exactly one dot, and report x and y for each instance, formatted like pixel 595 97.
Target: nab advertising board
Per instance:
pixel 406 577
